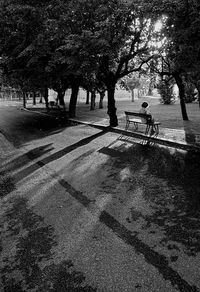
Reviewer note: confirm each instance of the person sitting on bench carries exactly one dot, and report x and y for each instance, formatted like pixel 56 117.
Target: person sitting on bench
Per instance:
pixel 144 110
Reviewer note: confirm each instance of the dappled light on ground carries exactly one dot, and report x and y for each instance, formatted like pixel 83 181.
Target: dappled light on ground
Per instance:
pixel 170 185
pixel 61 204
pixel 30 244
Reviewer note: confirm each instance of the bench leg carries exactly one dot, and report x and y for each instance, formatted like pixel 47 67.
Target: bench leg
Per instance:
pixel 127 125
pixel 156 129
pixel 136 126
pixel 153 129
pixel 147 129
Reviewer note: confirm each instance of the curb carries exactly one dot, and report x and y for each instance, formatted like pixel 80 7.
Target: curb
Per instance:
pixel 160 141
pixel 29 110
pixel 37 112
pixel 141 136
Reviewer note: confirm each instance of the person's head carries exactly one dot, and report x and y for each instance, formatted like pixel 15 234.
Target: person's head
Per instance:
pixel 145 104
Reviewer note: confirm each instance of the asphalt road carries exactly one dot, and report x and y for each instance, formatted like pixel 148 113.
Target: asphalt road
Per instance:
pixel 82 210
pixel 20 126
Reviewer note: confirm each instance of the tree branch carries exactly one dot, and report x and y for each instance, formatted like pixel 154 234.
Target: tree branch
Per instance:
pixel 126 71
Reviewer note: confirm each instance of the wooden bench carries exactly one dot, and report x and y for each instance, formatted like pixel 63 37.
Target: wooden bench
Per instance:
pixel 145 119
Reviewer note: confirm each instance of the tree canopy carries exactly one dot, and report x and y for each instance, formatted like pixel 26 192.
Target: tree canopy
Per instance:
pixel 60 44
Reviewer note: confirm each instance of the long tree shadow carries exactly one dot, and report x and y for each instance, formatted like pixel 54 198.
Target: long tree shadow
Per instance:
pixel 57 155
pixel 63 277
pixel 150 168
pixel 7 184
pixel 134 161
pixel 22 160
pixel 171 185
pixel 182 173
pixel 26 246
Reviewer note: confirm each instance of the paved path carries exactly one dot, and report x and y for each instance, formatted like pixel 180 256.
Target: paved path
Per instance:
pixel 82 210
pixel 172 129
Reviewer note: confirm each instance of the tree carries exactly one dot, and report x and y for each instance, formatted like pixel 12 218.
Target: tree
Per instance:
pixel 127 30
pixel 131 83
pixel 69 40
pixel 92 85
pixel 190 95
pixel 109 39
pixel 165 88
pixel 101 88
pixel 180 57
pixel 20 27
pixel 166 68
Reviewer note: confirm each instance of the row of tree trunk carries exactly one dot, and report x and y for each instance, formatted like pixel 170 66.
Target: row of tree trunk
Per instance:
pixel 111 99
pixel 73 99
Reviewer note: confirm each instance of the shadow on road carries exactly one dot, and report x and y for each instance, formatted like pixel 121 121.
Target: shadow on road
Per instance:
pixel 28 250
pixel 170 184
pixel 6 184
pixel 24 159
pixel 55 156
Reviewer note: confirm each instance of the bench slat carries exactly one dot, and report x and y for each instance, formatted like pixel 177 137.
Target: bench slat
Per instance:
pixel 140 122
pixel 136 121
pixel 137 114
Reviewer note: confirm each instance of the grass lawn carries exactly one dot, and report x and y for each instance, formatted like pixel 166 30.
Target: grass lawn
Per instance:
pixel 169 115
pixel 172 124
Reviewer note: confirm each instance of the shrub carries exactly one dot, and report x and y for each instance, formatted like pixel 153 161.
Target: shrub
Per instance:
pixel 166 93
pixel 190 94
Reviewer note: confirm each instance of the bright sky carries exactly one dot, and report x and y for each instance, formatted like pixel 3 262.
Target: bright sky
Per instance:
pixel 158 25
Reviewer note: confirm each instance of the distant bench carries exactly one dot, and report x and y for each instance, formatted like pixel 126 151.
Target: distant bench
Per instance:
pixel 145 119
pixel 53 104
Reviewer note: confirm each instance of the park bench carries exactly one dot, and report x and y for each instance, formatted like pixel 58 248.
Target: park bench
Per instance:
pixel 145 119
pixel 53 104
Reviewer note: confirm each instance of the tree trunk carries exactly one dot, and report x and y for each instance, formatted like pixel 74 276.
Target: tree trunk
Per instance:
pixel 181 88
pixel 198 89
pixel 102 94
pixel 73 99
pixel 132 95
pixel 24 99
pixel 60 97
pixel 151 85
pixel 46 97
pixel 111 105
pixel 150 92
pixel 87 97
pixel 34 98
pixel 93 97
pixel 139 93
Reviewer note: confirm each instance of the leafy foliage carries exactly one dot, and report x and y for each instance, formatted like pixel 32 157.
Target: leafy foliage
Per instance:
pixel 165 88
pixel 55 43
pixel 190 94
